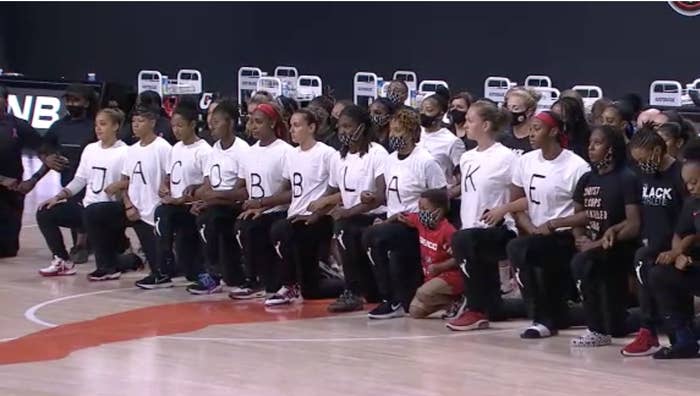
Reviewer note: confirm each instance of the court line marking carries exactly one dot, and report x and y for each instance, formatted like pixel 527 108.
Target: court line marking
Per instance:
pixel 31 315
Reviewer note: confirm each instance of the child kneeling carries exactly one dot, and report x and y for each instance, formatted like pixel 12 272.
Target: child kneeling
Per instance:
pixel 443 283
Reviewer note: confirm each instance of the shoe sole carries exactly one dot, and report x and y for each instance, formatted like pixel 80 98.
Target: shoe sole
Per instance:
pixel 217 289
pixel 107 277
pixel 278 303
pixel 154 287
pixel 54 274
pixel 479 325
pixel 386 316
pixel 247 296
pixel 649 352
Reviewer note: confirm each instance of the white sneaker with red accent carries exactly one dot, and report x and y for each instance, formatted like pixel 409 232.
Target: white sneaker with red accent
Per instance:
pixel 59 267
pixel 285 295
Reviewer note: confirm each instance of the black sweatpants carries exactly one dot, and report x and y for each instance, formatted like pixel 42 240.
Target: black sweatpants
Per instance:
pixel 69 215
pixel 394 251
pixel 11 207
pixel 644 261
pixel 174 224
pixel 604 286
pixel 298 248
pixel 357 269
pixel 259 258
pixel 215 225
pixel 674 291
pixel 542 264
pixel 478 251
pixel 106 223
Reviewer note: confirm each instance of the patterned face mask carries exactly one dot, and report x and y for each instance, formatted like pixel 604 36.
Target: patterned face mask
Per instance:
pixel 394 97
pixel 347 138
pixel 380 120
pixel 397 143
pixel 649 167
pixel 605 162
pixel 427 218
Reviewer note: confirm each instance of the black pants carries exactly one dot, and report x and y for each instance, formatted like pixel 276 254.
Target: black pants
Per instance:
pixel 298 248
pixel 357 268
pixel 395 254
pixel 644 261
pixel 176 225
pixel 674 291
pixel 542 265
pixel 259 258
pixel 11 207
pixel 603 282
pixel 215 227
pixel 478 251
pixel 69 215
pixel 105 223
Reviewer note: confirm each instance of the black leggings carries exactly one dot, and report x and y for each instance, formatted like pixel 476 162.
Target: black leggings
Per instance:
pixel 357 268
pixel 674 291
pixel 11 207
pixel 298 248
pixel 105 223
pixel 395 254
pixel 215 225
pixel 542 264
pixel 478 251
pixel 604 286
pixel 175 224
pixel 644 261
pixel 69 215
pixel 253 237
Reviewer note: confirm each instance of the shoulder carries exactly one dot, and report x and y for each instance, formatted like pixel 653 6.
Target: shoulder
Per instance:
pixel 377 149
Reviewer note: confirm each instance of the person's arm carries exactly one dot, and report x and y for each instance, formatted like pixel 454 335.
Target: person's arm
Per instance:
pixel 284 197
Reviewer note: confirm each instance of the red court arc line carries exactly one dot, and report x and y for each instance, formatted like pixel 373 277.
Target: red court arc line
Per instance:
pixel 59 342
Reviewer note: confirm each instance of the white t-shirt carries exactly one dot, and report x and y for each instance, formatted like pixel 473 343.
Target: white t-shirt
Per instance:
pixel 549 185
pixel 486 179
pixel 308 172
pixel 263 170
pixel 187 165
pixel 446 148
pixel 354 174
pixel 224 166
pixel 98 168
pixel 406 179
pixel 146 166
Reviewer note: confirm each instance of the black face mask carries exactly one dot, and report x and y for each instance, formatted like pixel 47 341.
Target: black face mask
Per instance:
pixel 75 111
pixel 458 117
pixel 517 118
pixel 426 120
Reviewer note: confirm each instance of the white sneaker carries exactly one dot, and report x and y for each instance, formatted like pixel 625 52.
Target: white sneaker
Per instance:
pixel 59 267
pixel 285 295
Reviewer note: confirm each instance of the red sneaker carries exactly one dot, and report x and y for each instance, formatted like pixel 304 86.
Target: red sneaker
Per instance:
pixel 469 320
pixel 644 344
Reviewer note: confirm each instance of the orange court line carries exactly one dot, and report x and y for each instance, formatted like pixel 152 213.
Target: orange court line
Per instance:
pixel 59 342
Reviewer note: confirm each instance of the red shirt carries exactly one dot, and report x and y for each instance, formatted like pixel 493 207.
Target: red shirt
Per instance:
pixel 435 248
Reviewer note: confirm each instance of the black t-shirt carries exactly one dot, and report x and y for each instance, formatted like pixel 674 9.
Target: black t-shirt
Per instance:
pixel 604 198
pixel 662 200
pixel 68 137
pixel 689 223
pixel 519 146
pixel 15 135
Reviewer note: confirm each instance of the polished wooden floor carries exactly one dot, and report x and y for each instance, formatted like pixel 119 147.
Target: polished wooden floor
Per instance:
pixel 66 336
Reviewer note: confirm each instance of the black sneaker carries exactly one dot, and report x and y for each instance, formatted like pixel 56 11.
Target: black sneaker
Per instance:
pixel 155 281
pixel 247 291
pixel 387 310
pixel 99 275
pixel 347 302
pixel 678 351
pixel 206 284
pixel 79 255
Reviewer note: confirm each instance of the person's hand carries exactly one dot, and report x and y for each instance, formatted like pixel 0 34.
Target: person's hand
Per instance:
pixel 318 204
pixel 252 204
pixel 56 162
pixel 251 214
pixel 403 218
pixel 9 183
pixel 26 186
pixel 163 191
pixel 669 257
pixel 307 219
pixel 113 188
pixel 493 217
pixel 50 203
pixel 682 262
pixel 168 200
pixel 133 214
pixel 581 242
pixel 543 229
pixel 368 197
pixel 339 213
pixel 189 191
pixel 588 246
pixel 609 238
pixel 198 207
pixel 378 221
pixel 434 270
pixel 209 195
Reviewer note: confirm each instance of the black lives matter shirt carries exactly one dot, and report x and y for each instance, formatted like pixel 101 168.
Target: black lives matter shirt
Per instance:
pixel 69 137
pixel 519 146
pixel 604 198
pixel 662 196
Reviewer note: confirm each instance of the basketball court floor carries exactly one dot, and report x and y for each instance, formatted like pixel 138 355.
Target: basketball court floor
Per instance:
pixel 67 336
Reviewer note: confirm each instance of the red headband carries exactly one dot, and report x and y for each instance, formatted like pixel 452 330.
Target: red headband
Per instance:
pixel 548 120
pixel 269 110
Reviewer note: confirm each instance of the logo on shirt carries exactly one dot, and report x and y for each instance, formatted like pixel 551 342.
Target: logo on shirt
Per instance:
pixel 656 196
pixel 430 245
